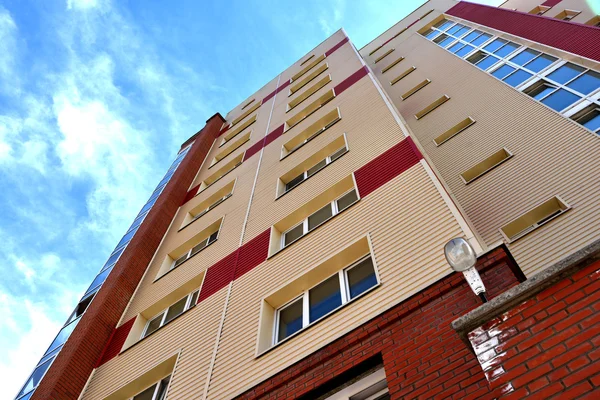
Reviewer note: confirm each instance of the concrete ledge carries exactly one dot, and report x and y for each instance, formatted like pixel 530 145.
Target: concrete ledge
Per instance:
pixel 526 290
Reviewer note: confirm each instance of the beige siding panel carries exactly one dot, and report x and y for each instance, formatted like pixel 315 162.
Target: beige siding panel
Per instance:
pixel 363 116
pixel 407 241
pixel 192 333
pixel 258 96
pixel 551 153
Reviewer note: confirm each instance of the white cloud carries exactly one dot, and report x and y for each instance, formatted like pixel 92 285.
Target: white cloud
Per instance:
pixel 330 20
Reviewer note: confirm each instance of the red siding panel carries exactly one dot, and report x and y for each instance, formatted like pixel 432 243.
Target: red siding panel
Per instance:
pixel 386 166
pixel 351 80
pixel 337 46
pixel 190 195
pixel 253 253
pixel 252 150
pixel 115 344
pixel 274 135
pixel 551 3
pixel 574 38
pixel 218 276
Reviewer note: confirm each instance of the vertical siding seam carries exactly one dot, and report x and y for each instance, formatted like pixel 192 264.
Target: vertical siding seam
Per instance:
pixel 217 341
pixel 245 223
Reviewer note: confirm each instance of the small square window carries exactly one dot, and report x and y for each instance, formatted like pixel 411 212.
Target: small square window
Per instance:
pixel 465 50
pixel 481 39
pixel 540 90
pixel 525 56
pixel 154 324
pixel 503 71
pixel 316 168
pixel 495 45
pixel 487 63
pixel 565 73
pixel 175 310
pixel 507 49
pixel 586 83
pixel 444 24
pixel 560 100
pixel 516 78
pixel 540 63
pixel 294 182
pixel 589 117
pixel 347 200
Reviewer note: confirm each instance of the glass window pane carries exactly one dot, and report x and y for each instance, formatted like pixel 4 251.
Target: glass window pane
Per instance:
pixel 162 390
pixel 446 42
pixel 316 168
pixel 487 62
pixel 524 57
pixel 506 49
pixel 586 83
pixel 36 377
pixel 346 200
pixel 462 31
pixel 338 153
pixel 456 46
pixel 517 78
pixel 175 310
pixel 444 24
pixel 293 234
pixel 62 336
pixel 471 36
pixel 180 261
pixel 194 299
pixel 591 120
pixel 430 34
pixel 566 73
pixel 503 71
pixel 153 325
pixel 541 91
pixel 455 29
pixel 560 99
pixel 199 247
pixel 495 45
pixel 361 277
pixel 440 38
pixel 476 57
pixel 540 63
pixel 319 217
pixel 481 39
pixel 146 394
pixel 290 320
pixel 27 396
pixel 100 278
pixel 465 50
pixel 294 182
pixel 324 298
pixel 213 237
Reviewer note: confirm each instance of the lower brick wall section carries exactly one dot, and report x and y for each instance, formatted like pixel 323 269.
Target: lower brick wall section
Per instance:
pixel 549 345
pixel 422 355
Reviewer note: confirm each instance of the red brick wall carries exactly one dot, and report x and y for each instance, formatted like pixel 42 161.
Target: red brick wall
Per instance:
pixel 548 345
pixel 70 370
pixel 422 354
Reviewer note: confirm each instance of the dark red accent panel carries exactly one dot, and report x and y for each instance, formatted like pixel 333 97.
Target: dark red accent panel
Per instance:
pixel 253 253
pixel 414 147
pixel 385 167
pixel 255 148
pixel 574 38
pixel 422 355
pixel 190 195
pixel 351 80
pixel 337 46
pixel 551 3
pixel 222 131
pixel 274 135
pixel 269 96
pixel 115 344
pixel 69 372
pixel 218 276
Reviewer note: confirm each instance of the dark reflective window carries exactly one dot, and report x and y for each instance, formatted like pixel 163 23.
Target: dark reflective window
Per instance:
pixel 324 297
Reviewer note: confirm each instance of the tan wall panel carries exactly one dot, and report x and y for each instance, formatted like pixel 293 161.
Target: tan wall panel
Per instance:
pixel 193 333
pixel 258 96
pixel 364 115
pixel 407 240
pixel 550 152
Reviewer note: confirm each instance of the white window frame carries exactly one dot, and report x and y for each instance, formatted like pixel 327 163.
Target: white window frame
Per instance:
pixel 344 293
pixel 156 389
pixel 304 222
pixel 328 161
pixel 376 378
pixel 592 97
pixel 189 254
pixel 188 305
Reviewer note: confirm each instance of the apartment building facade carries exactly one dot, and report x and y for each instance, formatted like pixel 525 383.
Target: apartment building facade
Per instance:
pixel 295 247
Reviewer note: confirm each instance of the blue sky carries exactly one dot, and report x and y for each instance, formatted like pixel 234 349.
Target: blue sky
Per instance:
pixel 95 99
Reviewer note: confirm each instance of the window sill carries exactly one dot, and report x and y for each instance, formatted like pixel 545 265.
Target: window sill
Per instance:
pixel 191 222
pixel 319 170
pixel 314 229
pixel 528 231
pixel 173 269
pixel 218 179
pixel 332 312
